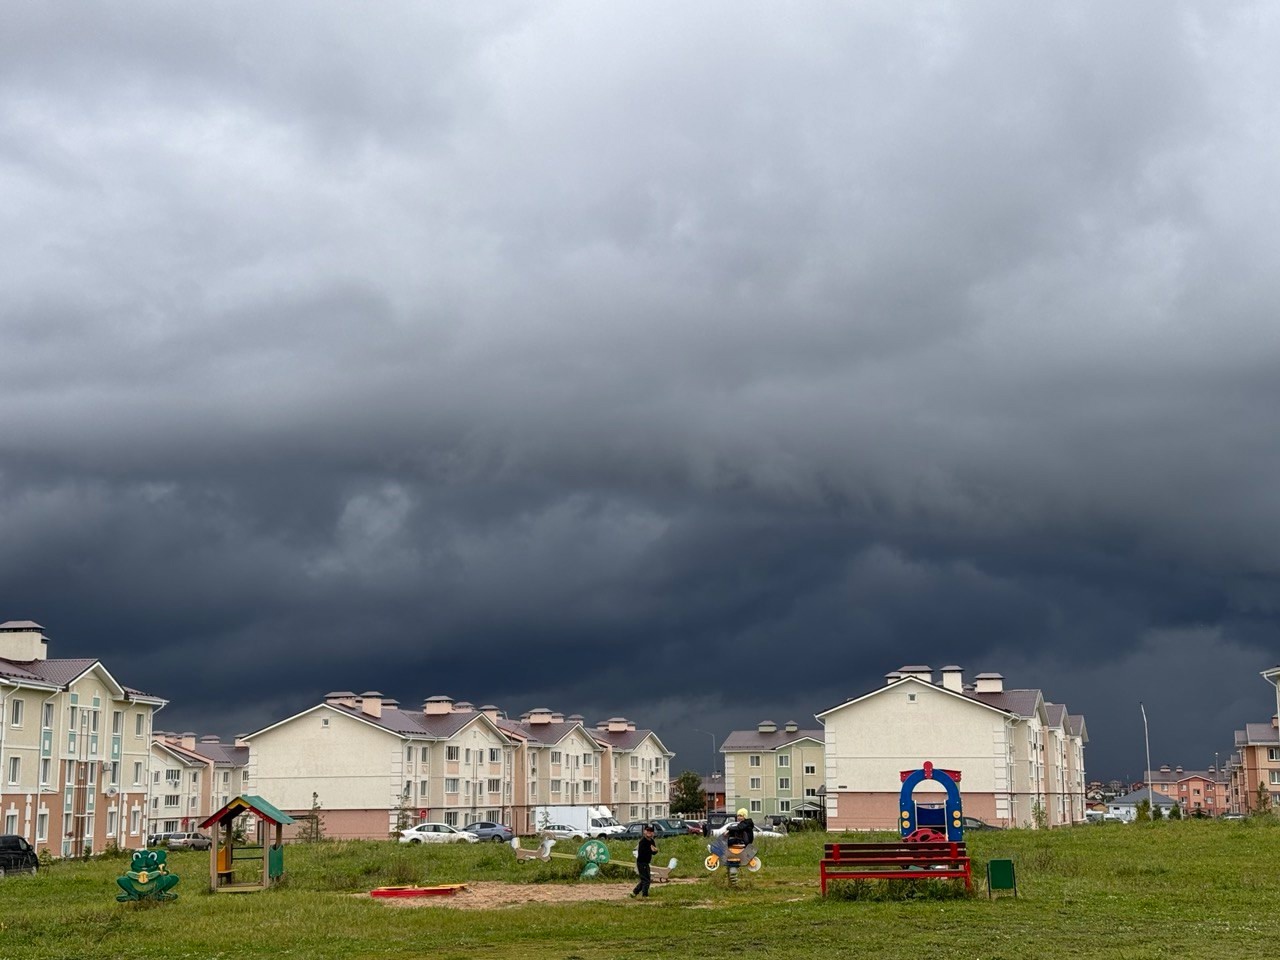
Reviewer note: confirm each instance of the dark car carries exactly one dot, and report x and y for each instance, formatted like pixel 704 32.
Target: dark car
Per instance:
pixel 973 823
pixel 16 855
pixel 488 830
pixel 188 841
pixel 661 828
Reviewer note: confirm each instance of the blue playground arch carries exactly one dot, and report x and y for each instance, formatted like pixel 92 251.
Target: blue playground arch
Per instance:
pixel 911 818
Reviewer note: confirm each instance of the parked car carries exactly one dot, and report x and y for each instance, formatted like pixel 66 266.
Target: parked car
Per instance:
pixel 488 830
pixel 159 839
pixel 672 827
pixel 661 828
pixel 973 823
pixel 16 855
pixel 188 841
pixel 436 833
pixel 1233 816
pixel 563 831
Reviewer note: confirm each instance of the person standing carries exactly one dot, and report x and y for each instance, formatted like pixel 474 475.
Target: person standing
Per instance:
pixel 644 857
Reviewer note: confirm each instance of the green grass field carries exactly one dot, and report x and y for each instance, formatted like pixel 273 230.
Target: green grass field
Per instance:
pixel 1177 890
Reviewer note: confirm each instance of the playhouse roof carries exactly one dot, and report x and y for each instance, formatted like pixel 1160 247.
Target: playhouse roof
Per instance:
pixel 257 805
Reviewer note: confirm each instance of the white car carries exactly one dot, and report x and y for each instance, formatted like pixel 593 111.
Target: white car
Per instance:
pixel 436 833
pixel 563 831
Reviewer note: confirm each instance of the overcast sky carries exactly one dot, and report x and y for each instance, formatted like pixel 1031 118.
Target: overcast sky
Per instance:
pixel 562 354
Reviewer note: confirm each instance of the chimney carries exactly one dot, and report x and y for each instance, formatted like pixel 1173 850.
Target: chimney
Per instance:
pixel 22 641
pixel 557 717
pixel 631 725
pixel 492 712
pixel 617 725
pixel 1164 768
pixel 953 678
pixel 188 740
pixel 437 706
pixel 891 676
pixel 371 704
pixel 464 706
pixel 343 698
pixel 791 726
pixel 1275 720
pixel 209 738
pixel 919 671
pixel 988 683
pixel 576 718
pixel 767 726
pixel 539 716
pixel 1178 768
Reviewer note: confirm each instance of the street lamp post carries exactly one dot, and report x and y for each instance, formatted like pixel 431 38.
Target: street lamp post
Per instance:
pixel 1146 736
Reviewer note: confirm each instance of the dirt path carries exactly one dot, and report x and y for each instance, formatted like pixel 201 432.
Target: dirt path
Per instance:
pixel 494 896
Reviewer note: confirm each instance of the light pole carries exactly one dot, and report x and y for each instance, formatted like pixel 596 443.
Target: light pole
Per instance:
pixel 1146 736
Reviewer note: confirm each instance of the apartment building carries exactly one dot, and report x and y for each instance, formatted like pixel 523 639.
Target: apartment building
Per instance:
pixel 1256 763
pixel 774 772
pixel 74 748
pixel 1022 762
pixel 367 762
pixel 636 769
pixel 191 779
pixel 1196 792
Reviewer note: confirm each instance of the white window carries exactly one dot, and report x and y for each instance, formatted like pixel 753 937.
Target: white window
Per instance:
pixel 754 783
pixel 46 719
pixel 112 821
pixel 1273 754
pixel 46 769
pixel 588 759
pixel 15 769
pixel 408 754
pixel 93 773
pixel 784 760
pixel 15 714
pixel 1275 776
pixel 451 819
pixel 42 826
pixel 226 778
pixel 784 806
pixel 423 787
pixel 137 724
pixel 495 755
pixel 810 769
pixel 756 806
pixel 172 776
pixel 635 762
pixel 93 721
pixel 495 785
pixel 11 822
pixel 810 791
pixel 135 820
pixel 784 783
pixel 195 778
pixel 753 760
pixel 588 786
pixel 635 786
pixel 115 773
pixel 451 753
pixel 451 785
pixel 171 799
pixel 117 722
pixel 555 756
pixel 137 772
pixel 423 755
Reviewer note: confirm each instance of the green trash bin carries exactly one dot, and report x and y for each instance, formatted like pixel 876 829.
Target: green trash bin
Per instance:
pixel 1001 876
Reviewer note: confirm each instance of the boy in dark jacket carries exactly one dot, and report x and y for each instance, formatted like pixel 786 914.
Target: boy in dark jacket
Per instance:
pixel 644 857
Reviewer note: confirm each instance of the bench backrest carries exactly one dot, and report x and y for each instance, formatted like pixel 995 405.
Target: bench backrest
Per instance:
pixel 851 851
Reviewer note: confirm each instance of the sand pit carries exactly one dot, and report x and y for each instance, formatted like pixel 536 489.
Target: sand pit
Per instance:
pixel 496 896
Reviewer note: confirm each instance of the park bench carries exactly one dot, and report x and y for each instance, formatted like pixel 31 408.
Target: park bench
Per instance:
pixel 895 861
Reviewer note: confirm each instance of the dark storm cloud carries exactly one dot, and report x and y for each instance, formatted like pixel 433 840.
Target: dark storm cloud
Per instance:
pixel 560 354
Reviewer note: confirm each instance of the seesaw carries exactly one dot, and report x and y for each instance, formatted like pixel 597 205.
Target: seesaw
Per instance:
pixel 593 854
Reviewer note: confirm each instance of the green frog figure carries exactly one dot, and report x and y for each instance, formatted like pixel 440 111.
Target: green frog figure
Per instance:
pixel 148 878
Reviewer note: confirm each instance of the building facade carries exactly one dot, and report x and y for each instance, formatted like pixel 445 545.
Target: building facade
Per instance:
pixel 1022 762
pixel 190 779
pixel 773 772
pixel 75 752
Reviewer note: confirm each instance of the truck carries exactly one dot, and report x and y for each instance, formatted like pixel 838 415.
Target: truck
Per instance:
pixel 591 821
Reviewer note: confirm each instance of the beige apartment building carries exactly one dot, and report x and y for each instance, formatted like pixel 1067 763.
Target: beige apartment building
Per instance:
pixel 191 779
pixel 1022 764
pixel 1256 763
pixel 75 748
pixel 368 763
pixel 637 770
pixel 774 772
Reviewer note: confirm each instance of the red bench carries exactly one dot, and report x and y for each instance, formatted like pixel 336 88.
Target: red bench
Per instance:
pixel 895 861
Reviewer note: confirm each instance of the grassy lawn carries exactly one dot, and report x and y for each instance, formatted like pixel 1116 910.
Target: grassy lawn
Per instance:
pixel 1115 891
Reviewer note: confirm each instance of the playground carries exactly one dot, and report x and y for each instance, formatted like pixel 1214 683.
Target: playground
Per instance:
pixel 1132 891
